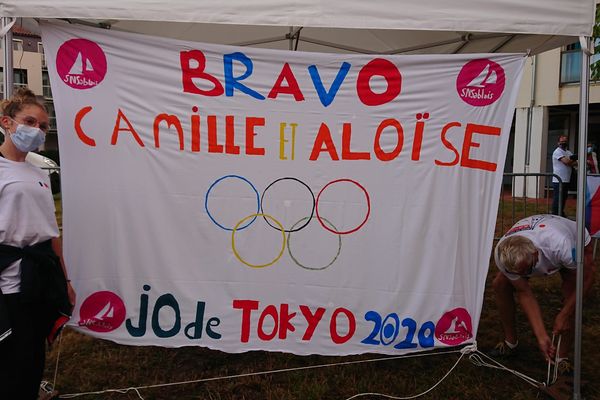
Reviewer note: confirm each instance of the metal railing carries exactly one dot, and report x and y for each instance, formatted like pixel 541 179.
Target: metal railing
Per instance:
pixel 525 194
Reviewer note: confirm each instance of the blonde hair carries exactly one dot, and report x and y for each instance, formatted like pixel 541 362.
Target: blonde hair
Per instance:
pixel 515 250
pixel 22 98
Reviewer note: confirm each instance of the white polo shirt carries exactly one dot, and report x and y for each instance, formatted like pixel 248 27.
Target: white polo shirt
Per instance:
pixel 560 168
pixel 27 213
pixel 555 238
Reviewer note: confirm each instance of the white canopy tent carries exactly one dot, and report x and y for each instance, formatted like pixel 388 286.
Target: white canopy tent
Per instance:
pixel 378 26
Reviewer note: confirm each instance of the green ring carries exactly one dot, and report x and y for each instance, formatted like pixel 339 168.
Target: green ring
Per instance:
pixel 313 268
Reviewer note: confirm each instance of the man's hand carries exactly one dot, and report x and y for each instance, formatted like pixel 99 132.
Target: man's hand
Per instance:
pixel 547 349
pixel 562 323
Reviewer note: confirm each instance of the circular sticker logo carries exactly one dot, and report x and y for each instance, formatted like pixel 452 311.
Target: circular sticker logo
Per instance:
pixel 102 312
pixel 454 327
pixel 81 63
pixel 480 82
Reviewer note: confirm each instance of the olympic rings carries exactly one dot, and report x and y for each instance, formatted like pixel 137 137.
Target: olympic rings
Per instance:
pixel 219 180
pixel 320 219
pixel 311 211
pixel 242 224
pixel 237 255
pixel 289 241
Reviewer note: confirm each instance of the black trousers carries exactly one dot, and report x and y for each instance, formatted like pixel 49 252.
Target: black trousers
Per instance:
pixel 22 354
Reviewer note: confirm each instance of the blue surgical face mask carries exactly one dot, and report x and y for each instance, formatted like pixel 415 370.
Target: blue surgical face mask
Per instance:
pixel 27 138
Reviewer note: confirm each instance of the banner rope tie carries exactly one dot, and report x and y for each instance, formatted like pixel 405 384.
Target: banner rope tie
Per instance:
pixel 138 388
pixel 57 360
pixel 477 359
pixel 465 350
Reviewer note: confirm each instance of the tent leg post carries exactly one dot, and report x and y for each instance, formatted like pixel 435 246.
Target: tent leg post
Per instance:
pixel 7 47
pixel 581 184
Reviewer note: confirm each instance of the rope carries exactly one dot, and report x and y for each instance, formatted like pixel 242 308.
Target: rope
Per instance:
pixel 136 389
pixel 465 350
pixel 478 360
pixel 57 359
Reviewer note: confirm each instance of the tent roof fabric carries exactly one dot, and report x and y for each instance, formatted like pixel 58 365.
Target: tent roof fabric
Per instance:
pixel 376 26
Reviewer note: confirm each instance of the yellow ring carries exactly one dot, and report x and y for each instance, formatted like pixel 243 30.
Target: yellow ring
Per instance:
pixel 244 220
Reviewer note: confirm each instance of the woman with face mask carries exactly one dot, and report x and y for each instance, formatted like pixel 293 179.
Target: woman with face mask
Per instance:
pixel 36 296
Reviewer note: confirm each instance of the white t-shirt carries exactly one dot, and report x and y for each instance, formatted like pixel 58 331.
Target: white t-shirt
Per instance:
pixel 560 168
pixel 555 238
pixel 27 213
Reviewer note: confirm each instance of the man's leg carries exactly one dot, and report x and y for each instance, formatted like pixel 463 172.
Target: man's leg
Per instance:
pixel 555 197
pixel 563 197
pixel 505 301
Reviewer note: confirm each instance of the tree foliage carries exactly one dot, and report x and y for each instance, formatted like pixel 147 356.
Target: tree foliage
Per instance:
pixel 595 67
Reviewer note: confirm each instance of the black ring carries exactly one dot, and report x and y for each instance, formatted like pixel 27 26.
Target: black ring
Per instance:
pixel 312 212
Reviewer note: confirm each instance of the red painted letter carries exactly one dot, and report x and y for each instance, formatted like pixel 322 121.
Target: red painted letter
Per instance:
pixel 323 139
pixel 382 155
pixel 312 319
pixel 449 145
pixel 246 306
pixel 292 85
pixel 389 72
pixel 188 73
pixel 80 134
pixel 129 128
pixel 337 338
pixel 468 162
pixel 170 120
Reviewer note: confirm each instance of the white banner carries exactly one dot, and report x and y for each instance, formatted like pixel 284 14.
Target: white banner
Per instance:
pixel 245 199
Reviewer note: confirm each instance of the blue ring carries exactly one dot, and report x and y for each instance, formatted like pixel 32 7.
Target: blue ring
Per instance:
pixel 219 180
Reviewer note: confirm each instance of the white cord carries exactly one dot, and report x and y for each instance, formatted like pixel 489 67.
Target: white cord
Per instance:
pixel 478 360
pixel 464 351
pixel 57 359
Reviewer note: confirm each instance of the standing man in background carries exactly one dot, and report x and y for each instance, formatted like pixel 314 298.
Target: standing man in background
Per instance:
pixel 562 165
pixel 591 160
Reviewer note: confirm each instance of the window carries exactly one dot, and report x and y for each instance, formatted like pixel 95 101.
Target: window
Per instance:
pixel 570 63
pixel 20 78
pixel 40 49
pixel 51 116
pixel 46 85
pixel 17 45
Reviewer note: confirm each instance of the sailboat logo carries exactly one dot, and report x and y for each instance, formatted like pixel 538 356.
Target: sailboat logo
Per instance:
pixel 454 327
pixel 81 63
pixel 102 312
pixel 81 66
pixel 486 77
pixel 480 82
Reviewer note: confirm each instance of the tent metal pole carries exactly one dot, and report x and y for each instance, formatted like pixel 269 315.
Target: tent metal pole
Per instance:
pixel 581 192
pixel 7 47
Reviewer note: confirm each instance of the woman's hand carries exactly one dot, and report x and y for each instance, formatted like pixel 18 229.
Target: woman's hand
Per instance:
pixel 71 293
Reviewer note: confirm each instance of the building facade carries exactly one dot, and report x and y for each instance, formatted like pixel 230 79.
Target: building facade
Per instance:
pixel 548 107
pixel 30 70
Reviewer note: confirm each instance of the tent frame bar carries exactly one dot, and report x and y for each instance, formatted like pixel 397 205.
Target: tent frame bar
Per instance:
pixel 294 33
pixel 581 190
pixel 7 49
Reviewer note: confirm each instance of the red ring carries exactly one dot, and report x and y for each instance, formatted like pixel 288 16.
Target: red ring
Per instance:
pixel 352 230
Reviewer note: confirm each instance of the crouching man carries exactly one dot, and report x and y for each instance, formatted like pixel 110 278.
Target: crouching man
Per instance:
pixel 539 246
